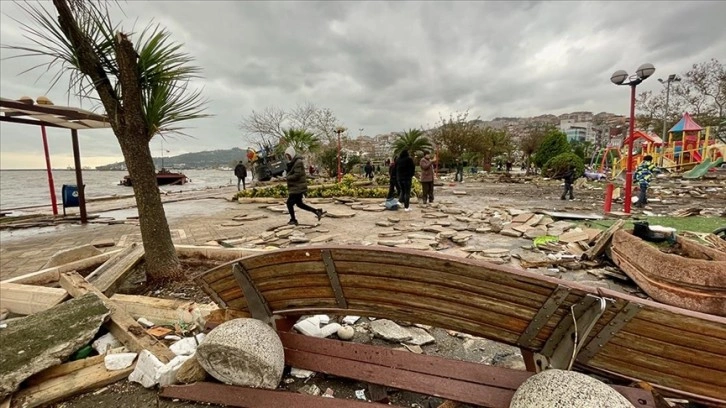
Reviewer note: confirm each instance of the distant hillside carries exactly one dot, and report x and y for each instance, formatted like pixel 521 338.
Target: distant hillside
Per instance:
pixel 201 160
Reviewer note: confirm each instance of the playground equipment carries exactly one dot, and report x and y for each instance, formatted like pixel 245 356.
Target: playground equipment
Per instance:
pixel 688 146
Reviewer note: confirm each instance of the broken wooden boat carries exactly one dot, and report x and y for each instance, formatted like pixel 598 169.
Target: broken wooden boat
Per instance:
pixel 692 276
pixel 556 323
pixel 164 177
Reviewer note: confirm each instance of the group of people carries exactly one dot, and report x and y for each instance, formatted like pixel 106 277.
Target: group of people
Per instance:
pixel 401 171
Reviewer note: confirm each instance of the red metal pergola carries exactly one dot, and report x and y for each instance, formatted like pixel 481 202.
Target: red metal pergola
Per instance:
pixel 45 114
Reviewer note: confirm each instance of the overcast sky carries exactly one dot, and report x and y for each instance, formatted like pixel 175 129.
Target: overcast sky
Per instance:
pixel 386 66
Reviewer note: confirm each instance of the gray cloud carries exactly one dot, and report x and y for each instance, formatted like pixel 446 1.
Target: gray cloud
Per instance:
pixel 387 66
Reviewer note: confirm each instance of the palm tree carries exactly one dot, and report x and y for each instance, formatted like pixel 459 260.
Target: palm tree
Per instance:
pixel 143 89
pixel 301 140
pixel 412 140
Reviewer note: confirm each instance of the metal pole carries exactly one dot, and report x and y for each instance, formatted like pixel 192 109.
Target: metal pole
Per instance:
pixel 339 172
pixel 79 176
pixel 629 171
pixel 665 119
pixel 53 200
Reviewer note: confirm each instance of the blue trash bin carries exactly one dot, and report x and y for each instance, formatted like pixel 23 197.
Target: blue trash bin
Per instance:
pixel 69 193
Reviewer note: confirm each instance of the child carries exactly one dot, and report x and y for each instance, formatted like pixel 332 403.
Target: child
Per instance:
pixel 643 175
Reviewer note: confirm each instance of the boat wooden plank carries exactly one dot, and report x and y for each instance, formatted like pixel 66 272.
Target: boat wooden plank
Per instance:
pixel 672 351
pixel 652 331
pixel 368 275
pixel 243 397
pixel 614 361
pixel 452 389
pixel 459 370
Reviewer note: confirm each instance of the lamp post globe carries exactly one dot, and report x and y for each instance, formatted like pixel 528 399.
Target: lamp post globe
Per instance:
pixel 644 71
pixel 618 77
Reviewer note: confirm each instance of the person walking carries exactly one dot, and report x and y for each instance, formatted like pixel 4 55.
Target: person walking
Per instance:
pixel 643 176
pixel 369 170
pixel 459 176
pixel 427 177
pixel 405 169
pixel 241 172
pixel 393 189
pixel 297 186
pixel 569 178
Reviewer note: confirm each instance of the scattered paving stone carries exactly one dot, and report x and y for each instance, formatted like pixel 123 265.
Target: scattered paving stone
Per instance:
pixel 392 242
pixel 519 227
pixel 405 228
pixel 461 238
pixel 574 236
pixel 299 239
pixel 389 330
pixel 284 233
pixel 497 225
pixel 421 246
pixel 420 337
pixel 435 215
pixel 372 208
pixel 511 233
pixel 546 221
pixel 322 230
pixel 536 218
pixel 496 252
pixel 442 223
pixel 536 232
pixel 433 228
pixel 447 233
pixel 483 230
pixel 393 219
pixel 529 256
pixel 385 224
pixel 421 236
pixel 459 228
pixel 323 238
pixel 522 218
pixel 458 192
pixel 497 261
pixel 340 214
pixel 453 211
pixel 388 234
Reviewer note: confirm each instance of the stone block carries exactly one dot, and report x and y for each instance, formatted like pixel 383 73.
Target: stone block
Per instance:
pixel 559 388
pixel 119 361
pixel 244 352
pixel 187 346
pixel 390 331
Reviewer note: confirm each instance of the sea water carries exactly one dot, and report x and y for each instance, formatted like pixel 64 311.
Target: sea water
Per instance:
pixel 28 188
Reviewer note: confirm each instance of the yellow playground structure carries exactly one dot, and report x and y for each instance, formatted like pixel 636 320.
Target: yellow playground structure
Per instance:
pixel 688 146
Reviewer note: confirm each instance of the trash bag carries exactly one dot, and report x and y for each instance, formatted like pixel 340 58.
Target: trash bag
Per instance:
pixel 392 204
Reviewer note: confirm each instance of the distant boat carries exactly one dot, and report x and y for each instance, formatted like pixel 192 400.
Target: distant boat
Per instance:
pixel 164 177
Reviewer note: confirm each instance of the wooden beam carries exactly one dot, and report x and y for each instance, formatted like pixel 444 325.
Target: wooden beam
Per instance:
pixel 51 275
pixel 121 325
pixel 163 311
pixel 28 299
pixel 63 369
pixel 602 242
pixel 109 276
pixel 76 382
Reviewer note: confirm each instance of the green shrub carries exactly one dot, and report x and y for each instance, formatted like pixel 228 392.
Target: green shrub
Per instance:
pixel 555 143
pixel 558 165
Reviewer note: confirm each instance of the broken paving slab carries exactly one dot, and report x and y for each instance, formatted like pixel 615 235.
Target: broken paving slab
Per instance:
pixel 389 330
pixel 420 337
pixel 572 216
pixel 522 218
pixel 392 242
pixel 66 256
pixel 385 224
pixel 509 232
pixel 421 246
pixel 421 237
pixel 340 214
pixel 47 338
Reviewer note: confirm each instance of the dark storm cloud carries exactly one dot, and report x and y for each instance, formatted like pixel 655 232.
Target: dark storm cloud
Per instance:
pixel 388 66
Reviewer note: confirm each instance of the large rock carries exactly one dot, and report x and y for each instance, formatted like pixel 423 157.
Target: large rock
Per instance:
pixel 390 331
pixel 65 256
pixel 46 339
pixel 558 388
pixel 243 352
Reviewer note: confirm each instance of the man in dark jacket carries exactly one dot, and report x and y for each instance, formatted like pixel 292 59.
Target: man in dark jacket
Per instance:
pixel 569 178
pixel 405 169
pixel 393 189
pixel 459 176
pixel 297 186
pixel 369 170
pixel 241 172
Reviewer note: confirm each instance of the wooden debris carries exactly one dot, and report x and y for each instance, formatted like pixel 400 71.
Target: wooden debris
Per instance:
pixel 686 212
pixel 122 325
pixel 109 276
pixel 72 255
pixel 73 383
pixel 51 275
pixel 602 242
pixel 717 242
pixel 29 299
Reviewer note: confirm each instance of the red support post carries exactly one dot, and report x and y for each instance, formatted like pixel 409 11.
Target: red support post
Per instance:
pixel 53 200
pixel 629 170
pixel 608 197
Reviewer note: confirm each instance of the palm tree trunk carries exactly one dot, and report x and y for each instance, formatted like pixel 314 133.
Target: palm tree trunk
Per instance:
pixel 161 261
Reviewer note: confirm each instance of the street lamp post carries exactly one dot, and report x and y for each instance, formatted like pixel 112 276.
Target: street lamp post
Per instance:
pixel 618 78
pixel 339 130
pixel 667 83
